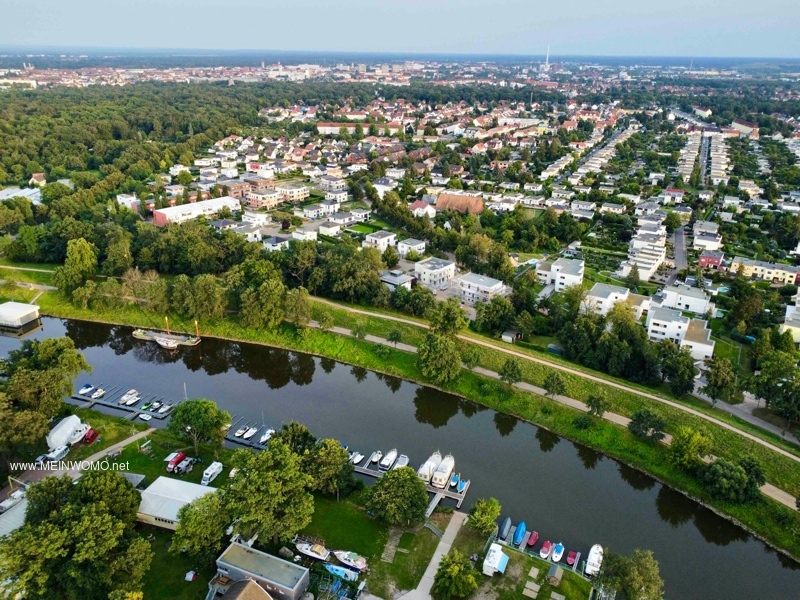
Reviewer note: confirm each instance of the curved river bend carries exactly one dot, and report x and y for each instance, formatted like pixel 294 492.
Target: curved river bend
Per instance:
pixel 566 492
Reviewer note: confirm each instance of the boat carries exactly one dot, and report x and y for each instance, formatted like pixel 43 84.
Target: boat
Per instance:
pixel 558 552
pixel 86 389
pixel 376 456
pixel 133 400
pixel 145 417
pixel 402 461
pixel 146 406
pixel 267 434
pixel 547 548
pixel 505 527
pixel 534 537
pixel 594 560
pixel 454 480
pixel 351 559
pixel 571 557
pixel 519 533
pixel 462 485
pixel 317 551
pixel 168 407
pixel 241 431
pixel 62 432
pixel 79 433
pixel 356 458
pixel 128 395
pixel 155 406
pixel 250 433
pixel 427 468
pixel 98 393
pixel 388 460
pixel 167 343
pixel 441 476
pixel 342 573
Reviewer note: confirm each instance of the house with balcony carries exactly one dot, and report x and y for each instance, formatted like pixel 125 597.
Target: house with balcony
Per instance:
pixel 474 288
pixel 434 272
pixel 667 324
pixel 380 240
pixel 560 273
pixel 410 245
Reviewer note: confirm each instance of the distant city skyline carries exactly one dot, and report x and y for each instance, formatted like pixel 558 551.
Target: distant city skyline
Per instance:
pixel 582 27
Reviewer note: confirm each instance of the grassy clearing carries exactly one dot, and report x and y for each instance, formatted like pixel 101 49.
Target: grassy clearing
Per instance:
pixel 345 526
pixel 36 277
pixel 510 585
pixel 165 579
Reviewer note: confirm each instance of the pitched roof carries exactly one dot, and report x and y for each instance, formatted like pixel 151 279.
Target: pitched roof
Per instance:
pixel 461 203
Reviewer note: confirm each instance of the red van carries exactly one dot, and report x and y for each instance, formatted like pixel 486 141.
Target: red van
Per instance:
pixel 90 436
pixel 174 460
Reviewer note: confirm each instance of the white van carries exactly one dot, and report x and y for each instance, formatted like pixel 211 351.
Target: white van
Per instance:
pixel 185 466
pixel 58 453
pixel 211 472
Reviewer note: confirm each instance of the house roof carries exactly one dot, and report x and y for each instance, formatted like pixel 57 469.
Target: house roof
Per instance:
pixel 459 202
pixel 247 589
pixel 604 290
pixel 166 496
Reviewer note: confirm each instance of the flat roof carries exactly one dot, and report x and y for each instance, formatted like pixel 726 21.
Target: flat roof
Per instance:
pixel 263 565
pixel 604 290
pixel 411 242
pixel 434 264
pixel 165 497
pixel 481 280
pixel 16 310
pixel 698 332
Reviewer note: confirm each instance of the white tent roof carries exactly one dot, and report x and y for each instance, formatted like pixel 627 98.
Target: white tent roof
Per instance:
pixel 165 497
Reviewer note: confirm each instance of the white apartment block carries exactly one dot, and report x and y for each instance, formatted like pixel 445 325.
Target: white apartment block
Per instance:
pixel 560 273
pixel 188 212
pixel 683 297
pixel 603 296
pixel 410 245
pixel 474 288
pixel 328 183
pixel 380 240
pixel 667 324
pixel 434 272
pixel 255 218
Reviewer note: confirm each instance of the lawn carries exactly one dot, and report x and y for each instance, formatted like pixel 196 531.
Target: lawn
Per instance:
pixel 345 526
pixel 165 579
pixel 36 277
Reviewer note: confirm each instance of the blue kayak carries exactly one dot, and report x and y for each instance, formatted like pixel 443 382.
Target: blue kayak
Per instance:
pixel 519 533
pixel 505 527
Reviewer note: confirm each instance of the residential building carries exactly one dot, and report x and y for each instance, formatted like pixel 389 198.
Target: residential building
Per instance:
pixel 313 211
pixel 603 296
pixel 337 197
pixel 410 245
pixel 281 579
pixel 684 298
pixel 304 235
pixel 474 288
pixel 161 501
pixel 255 218
pixel 758 269
pixel 707 241
pixel 129 201
pixel 667 324
pixel 330 229
pixel 292 192
pixel 396 278
pixel 434 272
pixel 250 232
pixel 560 273
pixel 420 209
pixel 791 322
pixel 275 242
pixel 610 207
pixel 267 199
pixel 188 212
pixel 328 183
pixel 711 259
pixel 380 240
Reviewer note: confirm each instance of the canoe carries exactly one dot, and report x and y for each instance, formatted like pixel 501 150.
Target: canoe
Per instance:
pixel 547 548
pixel 571 557
pixel 505 527
pixel 533 539
pixel 519 534
pixel 342 573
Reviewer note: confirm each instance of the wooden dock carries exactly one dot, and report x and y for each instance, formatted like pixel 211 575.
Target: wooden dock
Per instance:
pixel 442 492
pixel 253 442
pixel 111 400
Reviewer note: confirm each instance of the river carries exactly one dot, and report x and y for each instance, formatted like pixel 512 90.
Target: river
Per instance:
pixel 565 491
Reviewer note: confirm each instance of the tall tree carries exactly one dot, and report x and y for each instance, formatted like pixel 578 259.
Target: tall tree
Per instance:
pixel 297 307
pixel 448 318
pixel 483 515
pixel 554 384
pixel 201 421
pixel 689 447
pixel 326 463
pixel 455 577
pixel 80 265
pixel 438 358
pixel 201 528
pixel 511 371
pixel 720 380
pixel 399 497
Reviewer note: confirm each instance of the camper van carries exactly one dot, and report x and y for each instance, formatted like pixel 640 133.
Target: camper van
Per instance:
pixel 211 472
pixel 173 460
pixel 58 453
pixel 185 466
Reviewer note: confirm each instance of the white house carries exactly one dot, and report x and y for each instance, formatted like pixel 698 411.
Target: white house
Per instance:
pixel 610 207
pixel 274 243
pixel 682 297
pixel 434 272
pixel 667 324
pixel 255 218
pixel 380 240
pixel 328 183
pixel 250 232
pixel 330 229
pixel 188 212
pixel 603 296
pixel 338 197
pixel 313 211
pixel 474 288
pixel 383 185
pixel 395 279
pixel 420 209
pixel 304 235
pixel 162 500
pixel 410 245
pixel 560 273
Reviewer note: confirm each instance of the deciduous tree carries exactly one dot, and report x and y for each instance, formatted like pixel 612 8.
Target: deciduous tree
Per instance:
pixel 201 421
pixel 399 497
pixel 455 577
pixel 438 358
pixel 483 515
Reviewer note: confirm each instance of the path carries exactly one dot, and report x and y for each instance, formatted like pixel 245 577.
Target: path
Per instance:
pixel 768 490
pixel 26 269
pixel 423 591
pixel 395 533
pixel 725 407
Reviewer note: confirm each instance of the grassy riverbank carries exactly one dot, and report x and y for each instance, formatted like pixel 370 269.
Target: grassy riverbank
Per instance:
pixel 773 522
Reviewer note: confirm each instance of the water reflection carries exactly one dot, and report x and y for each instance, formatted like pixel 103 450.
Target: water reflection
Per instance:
pixel 588 457
pixel 504 423
pixel 433 409
pixel 637 480
pixel 674 508
pixel 547 440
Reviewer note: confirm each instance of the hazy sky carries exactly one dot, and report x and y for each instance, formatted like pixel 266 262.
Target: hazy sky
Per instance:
pixel 767 28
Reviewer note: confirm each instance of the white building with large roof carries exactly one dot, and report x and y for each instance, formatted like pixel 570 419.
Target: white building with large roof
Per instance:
pixel 165 497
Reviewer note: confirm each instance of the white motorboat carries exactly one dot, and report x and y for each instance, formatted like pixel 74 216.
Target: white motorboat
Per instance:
pixel 377 455
pixel 133 400
pixel 317 551
pixel 145 417
pixel 168 407
pixel 594 560
pixel 267 435
pixel 167 343
pixel 241 431
pixel 128 395
pixel 351 559
pixel 249 433
pixel 428 468
pixel 441 476
pixel 402 461
pixel 558 552
pixel 388 460
pixel 155 406
pixel 78 434
pixel 86 389
pixel 356 458
pixel 98 393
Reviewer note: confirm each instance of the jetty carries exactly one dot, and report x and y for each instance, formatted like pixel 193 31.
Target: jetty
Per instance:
pixel 237 423
pixel 111 400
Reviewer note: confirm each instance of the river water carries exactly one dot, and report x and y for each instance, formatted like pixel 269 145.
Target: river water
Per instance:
pixel 564 491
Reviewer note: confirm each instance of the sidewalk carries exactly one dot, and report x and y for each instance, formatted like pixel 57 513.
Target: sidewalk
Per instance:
pixel 423 591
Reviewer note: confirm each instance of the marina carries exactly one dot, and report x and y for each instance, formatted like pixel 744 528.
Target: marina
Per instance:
pixel 112 396
pixel 519 538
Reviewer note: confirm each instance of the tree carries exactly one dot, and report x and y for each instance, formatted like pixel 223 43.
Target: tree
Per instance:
pixel 725 480
pixel 325 463
pixel 672 222
pixel 455 577
pixel 471 357
pixel 720 380
pixel 270 497
pixel 632 279
pixel 597 404
pixel 80 265
pixel 554 384
pixel 390 257
pixel 394 337
pixel 688 448
pixel 677 366
pixel 201 528
pixel 637 576
pixel 438 358
pixel 297 436
pixel 326 322
pixel 208 298
pixel 483 515
pixel 399 497
pixel 201 421
pixel 297 306
pixel 448 318
pixel 755 477
pixel 511 371
pixel 647 425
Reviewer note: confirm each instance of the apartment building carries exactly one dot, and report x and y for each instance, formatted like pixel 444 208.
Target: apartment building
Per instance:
pixel 266 199
pixel 434 272
pixel 380 240
pixel 667 324
pixel 603 296
pixel 683 297
pixel 758 269
pixel 189 212
pixel 474 288
pixel 292 192
pixel 411 245
pixel 560 273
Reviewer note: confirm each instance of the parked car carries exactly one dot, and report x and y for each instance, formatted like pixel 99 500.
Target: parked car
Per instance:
pixel 174 460
pixel 90 436
pixel 41 459
pixel 185 466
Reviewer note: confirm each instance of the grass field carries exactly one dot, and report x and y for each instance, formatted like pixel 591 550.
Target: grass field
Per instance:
pixel 165 579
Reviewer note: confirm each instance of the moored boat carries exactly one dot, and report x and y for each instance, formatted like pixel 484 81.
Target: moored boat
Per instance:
pixel 505 527
pixel 168 407
pixel 155 406
pixel 147 406
pixel 342 573
pixel 78 434
pixel 128 395
pixel 547 548
pixel 317 551
pixel 571 557
pixel 519 534
pixel 441 476
pixel 462 485
pixel 86 389
pixel 376 456
pixel 241 431
pixel 402 461
pixel 558 552
pixel 533 539
pixel 98 393
pixel 351 559
pixel 167 343
pixel 455 479
pixel 388 460
pixel 356 458
pixel 145 417
pixel 249 433
pixel 427 468
pixel 267 434
pixel 594 560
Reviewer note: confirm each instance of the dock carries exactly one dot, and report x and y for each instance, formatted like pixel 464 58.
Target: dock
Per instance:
pixel 111 400
pixel 439 493
pixel 238 422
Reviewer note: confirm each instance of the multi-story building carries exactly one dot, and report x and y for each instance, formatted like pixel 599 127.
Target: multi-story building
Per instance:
pixel 474 288
pixel 710 259
pixel 380 240
pixel 267 199
pixel 327 183
pixel 603 296
pixel 410 245
pixel 560 273
pixel 683 297
pixel 292 192
pixel 434 272
pixel 758 269
pixel 188 212
pixel 667 324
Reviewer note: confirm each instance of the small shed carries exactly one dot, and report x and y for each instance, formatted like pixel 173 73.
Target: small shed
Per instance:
pixel 17 314
pixel 554 575
pixel 511 335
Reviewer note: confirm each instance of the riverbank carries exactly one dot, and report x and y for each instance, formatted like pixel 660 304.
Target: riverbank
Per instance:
pixel 770 521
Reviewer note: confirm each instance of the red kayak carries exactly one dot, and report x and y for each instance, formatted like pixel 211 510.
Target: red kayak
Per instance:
pixel 533 539
pixel 571 557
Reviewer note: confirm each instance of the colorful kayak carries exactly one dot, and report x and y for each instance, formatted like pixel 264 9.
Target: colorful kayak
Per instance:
pixel 533 539
pixel 519 534
pixel 342 573
pixel 505 527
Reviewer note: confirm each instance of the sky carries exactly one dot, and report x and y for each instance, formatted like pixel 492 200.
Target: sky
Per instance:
pixel 767 28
